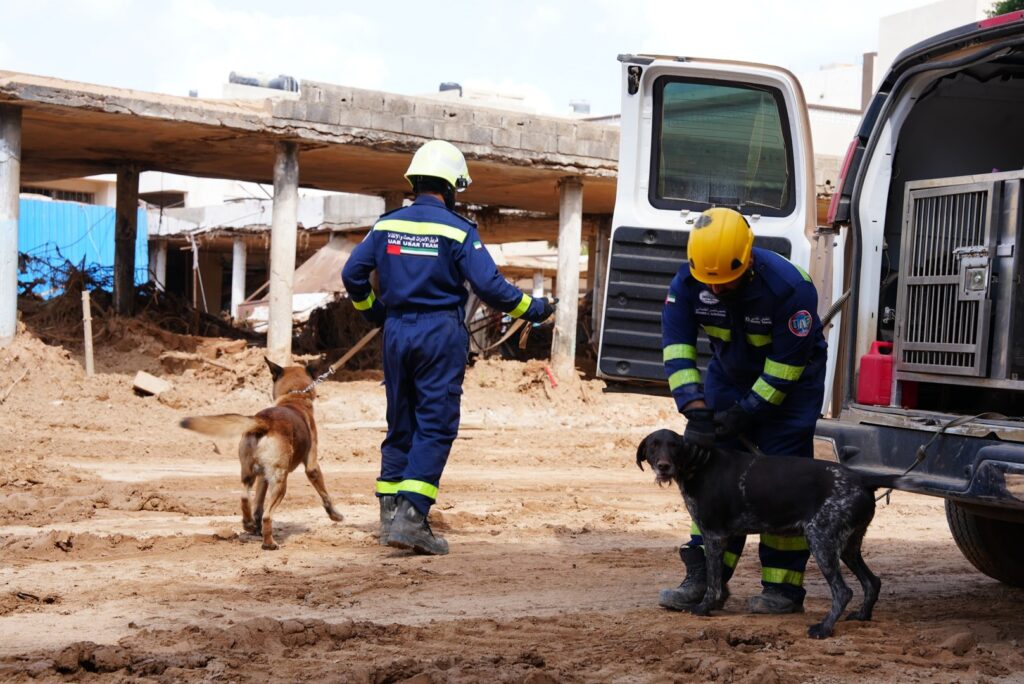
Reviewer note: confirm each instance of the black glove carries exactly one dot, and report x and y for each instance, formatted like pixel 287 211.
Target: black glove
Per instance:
pixel 547 309
pixel 733 422
pixel 700 427
pixel 376 315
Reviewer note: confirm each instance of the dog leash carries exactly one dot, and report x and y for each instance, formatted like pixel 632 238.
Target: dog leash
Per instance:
pixel 751 447
pixel 519 322
pixel 922 451
pixel 339 363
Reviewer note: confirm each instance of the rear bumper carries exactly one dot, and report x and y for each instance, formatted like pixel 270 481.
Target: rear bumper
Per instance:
pixel 967 469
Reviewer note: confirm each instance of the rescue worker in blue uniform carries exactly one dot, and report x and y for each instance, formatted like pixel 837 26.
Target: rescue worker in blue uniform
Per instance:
pixel 423 253
pixel 765 381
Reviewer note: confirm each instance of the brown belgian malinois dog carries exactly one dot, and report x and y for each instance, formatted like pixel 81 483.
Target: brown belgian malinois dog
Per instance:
pixel 273 443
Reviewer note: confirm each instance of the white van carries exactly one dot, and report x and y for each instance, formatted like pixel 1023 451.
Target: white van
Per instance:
pixel 926 230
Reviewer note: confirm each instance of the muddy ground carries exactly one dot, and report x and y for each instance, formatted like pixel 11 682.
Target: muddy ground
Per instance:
pixel 122 556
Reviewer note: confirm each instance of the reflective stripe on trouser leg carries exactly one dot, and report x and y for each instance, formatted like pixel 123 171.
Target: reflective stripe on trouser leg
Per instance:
pixel 783 561
pixel 400 392
pixel 733 550
pixel 434 350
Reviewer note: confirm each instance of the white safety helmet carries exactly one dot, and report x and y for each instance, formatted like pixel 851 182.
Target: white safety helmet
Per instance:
pixel 440 159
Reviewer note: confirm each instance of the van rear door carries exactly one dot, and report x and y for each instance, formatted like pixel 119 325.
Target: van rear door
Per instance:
pixel 698 134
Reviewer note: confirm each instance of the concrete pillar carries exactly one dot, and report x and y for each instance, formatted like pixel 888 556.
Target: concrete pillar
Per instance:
pixel 158 267
pixel 10 189
pixel 393 199
pixel 126 228
pixel 570 232
pixel 238 255
pixel 283 231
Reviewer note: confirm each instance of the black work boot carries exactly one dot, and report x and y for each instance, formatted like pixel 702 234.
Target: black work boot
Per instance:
pixel 410 530
pixel 774 602
pixel 694 585
pixel 388 506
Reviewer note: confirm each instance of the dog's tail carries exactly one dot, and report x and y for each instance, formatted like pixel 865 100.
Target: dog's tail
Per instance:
pixel 224 425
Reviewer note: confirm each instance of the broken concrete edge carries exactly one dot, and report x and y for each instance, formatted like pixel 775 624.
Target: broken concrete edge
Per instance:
pixel 576 147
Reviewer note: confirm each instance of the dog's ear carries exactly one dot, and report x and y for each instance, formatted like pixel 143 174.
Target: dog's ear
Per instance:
pixel 275 370
pixel 641 454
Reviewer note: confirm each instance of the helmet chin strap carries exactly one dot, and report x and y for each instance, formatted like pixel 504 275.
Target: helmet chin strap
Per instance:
pixel 449 197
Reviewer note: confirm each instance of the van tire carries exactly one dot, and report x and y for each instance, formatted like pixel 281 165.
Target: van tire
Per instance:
pixel 991 545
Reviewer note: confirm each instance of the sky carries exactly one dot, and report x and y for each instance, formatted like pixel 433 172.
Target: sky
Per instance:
pixel 548 52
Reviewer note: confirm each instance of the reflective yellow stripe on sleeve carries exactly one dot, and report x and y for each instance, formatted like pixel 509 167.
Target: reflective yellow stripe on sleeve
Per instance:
pixel 521 307
pixel 687 376
pixel 780 543
pixel 782 371
pixel 421 228
pixel 364 304
pixel 723 334
pixel 418 487
pixel 384 487
pixel 767 392
pixel 755 340
pixel 679 351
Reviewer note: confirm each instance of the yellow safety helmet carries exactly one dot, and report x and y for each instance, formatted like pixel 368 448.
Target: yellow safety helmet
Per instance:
pixel 719 248
pixel 440 159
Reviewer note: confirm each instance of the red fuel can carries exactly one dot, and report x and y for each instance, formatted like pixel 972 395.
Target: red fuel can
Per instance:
pixel 874 384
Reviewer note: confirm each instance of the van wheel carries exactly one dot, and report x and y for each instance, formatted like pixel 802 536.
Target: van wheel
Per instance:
pixel 991 545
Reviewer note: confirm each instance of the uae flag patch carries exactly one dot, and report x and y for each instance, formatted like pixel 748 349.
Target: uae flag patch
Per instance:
pixel 414 251
pixel 476 244
pixel 670 299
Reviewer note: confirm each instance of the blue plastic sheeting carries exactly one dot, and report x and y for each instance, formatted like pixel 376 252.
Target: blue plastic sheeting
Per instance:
pixel 79 233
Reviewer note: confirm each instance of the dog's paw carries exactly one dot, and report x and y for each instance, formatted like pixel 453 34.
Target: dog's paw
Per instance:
pixel 272 546
pixel 819 631
pixel 334 515
pixel 251 528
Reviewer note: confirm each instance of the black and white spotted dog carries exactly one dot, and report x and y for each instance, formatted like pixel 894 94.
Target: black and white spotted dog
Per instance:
pixel 732 493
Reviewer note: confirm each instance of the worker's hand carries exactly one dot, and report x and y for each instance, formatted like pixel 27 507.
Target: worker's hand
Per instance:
pixel 700 427
pixel 547 309
pixel 733 422
pixel 376 315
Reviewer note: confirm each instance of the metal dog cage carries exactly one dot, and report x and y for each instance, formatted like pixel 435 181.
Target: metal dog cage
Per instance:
pixel 960 308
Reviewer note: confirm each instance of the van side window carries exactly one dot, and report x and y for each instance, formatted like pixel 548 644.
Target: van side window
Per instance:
pixel 720 144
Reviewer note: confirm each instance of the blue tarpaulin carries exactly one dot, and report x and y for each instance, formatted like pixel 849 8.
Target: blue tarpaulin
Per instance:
pixel 80 233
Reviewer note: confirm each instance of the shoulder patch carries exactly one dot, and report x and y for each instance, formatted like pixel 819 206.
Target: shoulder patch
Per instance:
pixel 671 298
pixel 800 323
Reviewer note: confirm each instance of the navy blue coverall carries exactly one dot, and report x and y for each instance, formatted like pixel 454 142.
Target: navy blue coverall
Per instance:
pixel 423 254
pixel 768 355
